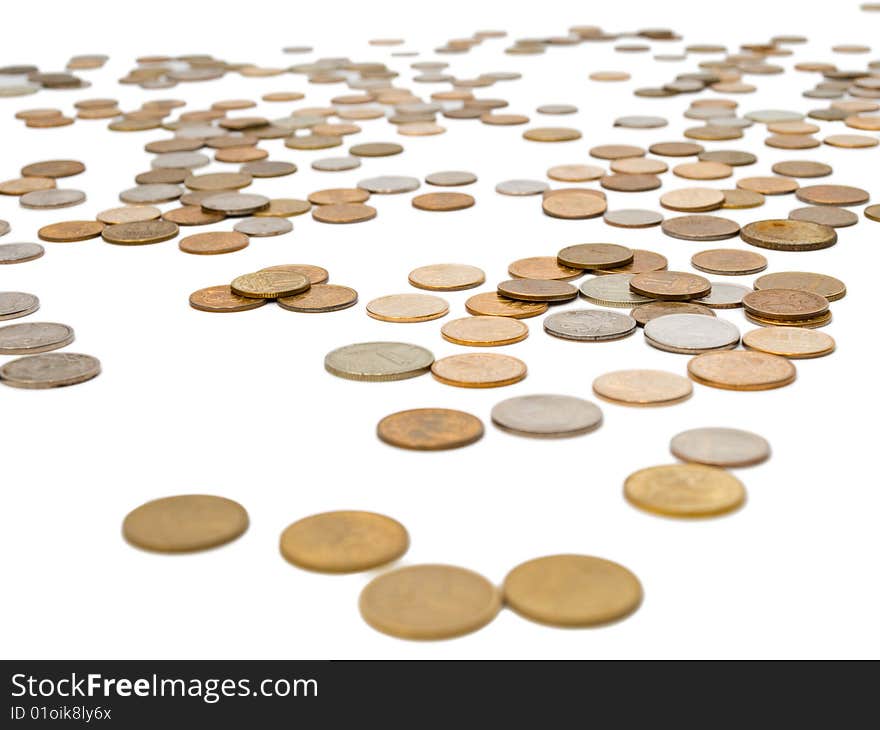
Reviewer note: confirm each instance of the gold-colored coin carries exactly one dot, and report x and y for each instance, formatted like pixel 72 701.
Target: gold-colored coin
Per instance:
pixel 315 274
pixel 642 387
pixel 551 134
pixel 24 185
pixel 71 231
pixel 788 235
pixel 827 286
pixel 446 277
pixel 270 284
pixel 775 185
pixel 575 173
pixel 284 208
pixel 590 256
pixel 703 170
pixel 482 331
pixel 851 141
pixel 344 213
pixel 543 267
pixel 616 151
pixel 739 199
pixel 185 523
pixel 638 166
pixel 443 202
pixel 811 323
pixel 741 370
pixel 333 196
pixel 573 204
pixel 684 490
pixel 692 200
pixel 643 261
pixel 479 370
pixel 572 590
pixel 791 342
pixel 376 149
pixel 430 429
pixel 492 304
pixel 429 602
pixel 320 298
pixel 344 542
pixel 129 214
pixel 408 308
pixel 221 299
pixel 140 232
pixel 214 242
pixel 729 262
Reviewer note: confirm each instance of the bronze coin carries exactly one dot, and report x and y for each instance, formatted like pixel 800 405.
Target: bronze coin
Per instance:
pixel 827 286
pixel 616 151
pixel 785 304
pixel 376 149
pixel 692 200
pixel 214 242
pixel 575 173
pixel 551 134
pixel 38 114
pixel 792 342
pixel 644 313
pixel 446 277
pixel 737 199
pixel 741 370
pixel 713 133
pixel 430 429
pixel 343 213
pixel 270 284
pixel 820 321
pixel 53 168
pixel 240 154
pixel 219 181
pixel 543 267
pixel 284 208
pixel 321 298
pixel 537 290
pixel 848 141
pixel 839 195
pixel 731 158
pixel 768 185
pixel 632 218
pixel 573 204
pixel 729 262
pixel 703 170
pixel 71 231
pixel 312 142
pixel 483 331
pixel 642 388
pixel 638 166
pixel 675 149
pixel 162 176
pixel 479 370
pixel 175 144
pixel 630 183
pixel 642 261
pixel 140 232
pixel 407 308
pixel 315 274
pixel 443 202
pixel 670 285
pixel 791 142
pixel 872 212
pixel 826 215
pixel 700 228
pixel 333 196
pixel 221 299
pixel 788 235
pixel 24 185
pixel 684 490
pixel 494 305
pixel 588 256
pixel 192 215
pixel 801 168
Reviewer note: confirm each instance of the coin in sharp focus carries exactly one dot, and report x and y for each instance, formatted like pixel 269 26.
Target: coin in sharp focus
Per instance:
pixel 140 232
pixel 185 523
pixel 235 204
pixel 741 370
pixel 270 284
pixel 213 242
pixel 684 490
pixel 263 227
pixel 446 277
pixel 19 253
pixel 521 187
pixel 430 429
pixel 221 299
pixel 537 290
pixel 644 313
pixel 801 168
pixel 642 387
pixel 612 290
pixel 429 602
pixel 722 447
pixel 589 325
pixel 407 308
pixel 792 342
pixel 633 218
pixel 379 361
pixel 50 199
pixel 53 168
pixel 839 195
pixel 67 231
pixel 547 416
pixel 785 304
pixel 128 214
pixel 14 304
pixel 572 590
pixel 479 370
pixel 729 262
pixel 690 334
pixel 321 298
pixel 589 256
pixel 670 285
pixel 788 235
pixel 484 331
pixel 543 267
pixel 692 200
pixel 700 228
pixel 29 338
pixel 827 286
pixel 346 541
pixel 49 370
pixel 493 304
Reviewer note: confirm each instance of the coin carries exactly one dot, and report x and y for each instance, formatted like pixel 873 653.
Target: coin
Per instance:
pixel 379 361
pixel 826 215
pixel 737 199
pixel 19 253
pixel 670 285
pixel 213 242
pixel 575 173
pixel 572 590
pixel 644 313
pixel 872 212
pixel 376 149
pixel 725 295
pixel 185 523
pixel 839 195
pixel 788 235
pixel 741 370
pixel 140 232
pixel 819 321
pixel 521 187
pixel 336 164
pixel 595 256
pixel 49 370
pixel 551 134
pixel 790 342
pixel 22 185
pixel 589 325
pixel 71 231
pixel 776 185
pixel 49 199
pixel 723 447
pixel 827 286
pixel 320 298
pixel 53 168
pixel 616 151
pixel 675 149
pixel 484 331
pixel 547 416
pixel 451 178
pixel 693 200
pixel 15 304
pixel 443 201
pixel 537 290
pixel 732 158
pixel 315 274
pixel 543 267
pixel 386 184
pixel 148 194
pixel 851 141
pixel 684 490
pixel 801 168
pixel 573 204
pixel 612 290
pixel 729 262
pixel 221 299
pixel 263 227
pixel 785 304
pixel 430 429
pixel 633 218
pixel 128 214
pixel 407 308
pixel 343 213
pixel 284 208
pixel 700 228
pixel 235 204
pixel 690 334
pixel 268 168
pixel 479 370
pixel 446 277
pixel 642 387
pixel 703 170
pixel 344 542
pixel 29 338
pixel 493 304
pixel 270 284
pixel 429 602
pixel 192 215
pixel 642 261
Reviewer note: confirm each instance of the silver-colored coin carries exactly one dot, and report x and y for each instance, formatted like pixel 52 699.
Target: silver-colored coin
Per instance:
pixel 149 194
pixel 521 187
pixel 691 334
pixel 827 215
pixel 724 295
pixel 15 304
pixel 336 164
pixel 633 218
pixel 263 226
pixel 451 178
pixel 54 198
pixel 50 370
pixel 379 361
pixel 771 116
pixel 724 447
pixel 706 113
pixel 268 168
pixel 186 160
pixel 589 325
pixel 18 253
pixel 28 338
pixel 557 109
pixel 4 227
pixel 612 290
pixel 18 90
pixel 389 184
pixel 547 416
pixel 640 122
pixel 235 204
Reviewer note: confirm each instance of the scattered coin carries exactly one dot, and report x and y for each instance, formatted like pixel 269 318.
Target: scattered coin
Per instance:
pixel 214 242
pixel 451 178
pixel 547 416
pixel 616 151
pixel 839 195
pixel 320 298
pixel 54 198
pixel 551 134
pixel 644 313
pixel 700 228
pixel 642 388
pixel 14 304
pixel 387 185
pixel 642 261
pixel 140 232
pixel 790 342
pixel 612 290
pixel 430 429
pixel 741 370
pixel 192 215
pixel 128 214
pixel 589 256
pixel 49 370
pixel 407 308
pixel 484 331
pixel 575 173
pixel 827 286
pixel 801 168
pixel 447 277
pixel 684 490
pixel 493 304
pixel 343 213
pixel 872 212
pixel 589 325
pixel 270 284
pixel 543 267
pixel 788 235
pixel 521 187
pixel 633 218
pixel 537 290
pixel 670 285
pixel 67 231
pixel 222 299
pixel 443 201
pixel 573 204
pixel 235 204
pixel 826 215
pixel 723 447
pixel 19 253
pixel 729 262
pixel 315 274
pixel 284 208
pixel 263 227
pixel 53 168
pixel 150 194
pixel 692 200
pixel 479 370
pixel 379 361
pixel 23 185
pixel 738 199
pixel 690 334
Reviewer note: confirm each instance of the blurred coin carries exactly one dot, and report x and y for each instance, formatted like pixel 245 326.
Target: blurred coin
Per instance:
pixel 192 215
pixel 644 313
pixel 642 387
pixel 14 304
pixel 263 226
pixel 684 490
pixel 537 290
pixel 692 199
pixel 839 195
pixel 737 199
pixel 320 298
pixel 543 267
pixel 479 370
pixel 388 185
pixel 790 342
pixel 53 168
pixel 729 262
pixel 725 295
pixel 741 370
pixel 19 253
pixel 407 308
pixel 315 274
pixel 575 173
pixel 336 164
pixel 551 134
pixel 691 333
pixel 723 447
pixel 826 215
pixel 49 370
pixel 213 242
pixel 731 158
pixel 801 168
pixel 451 178
pixel 595 256
pixel 827 286
pixel 612 290
pixel 484 331
pixel 29 338
pixel 521 187
pixel 379 361
pixel 343 213
pixel 547 416
pixel 446 277
pixel 700 227
pixel 140 232
pixel 284 208
pixel 442 201
pixel 128 214
pixel 22 185
pixel 221 299
pixel 47 199
pixel 573 204
pixel 66 231
pixel 235 204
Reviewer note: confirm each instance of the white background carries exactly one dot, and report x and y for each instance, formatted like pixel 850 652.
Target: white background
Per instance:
pixel 240 405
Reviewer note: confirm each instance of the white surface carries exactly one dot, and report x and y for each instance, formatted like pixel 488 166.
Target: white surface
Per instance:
pixel 239 405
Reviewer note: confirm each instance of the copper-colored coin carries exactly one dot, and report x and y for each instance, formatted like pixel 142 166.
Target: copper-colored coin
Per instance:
pixel 481 331
pixel 700 228
pixel 27 114
pixel 129 214
pixel 332 196
pixel 430 429
pixel 670 285
pixel 53 168
pixel 590 256
pixel 551 134
pixel 791 141
pixel 343 213
pixel 573 204
pixel 543 267
pixel 221 299
pixel 731 158
pixel 140 232
pixel 429 602
pixel 321 298
pixel 801 168
pixel 776 185
pixel 738 199
pixel 790 342
pixel 284 208
pixel 642 387
pixel 832 195
pixel 270 284
pixel 638 166
pixel 625 183
pixel 193 215
pixel 616 151
pixel 826 215
pixel 703 170
pixel 446 277
pixel 820 321
pixel 822 284
pixel 713 133
pixel 315 274
pixel 793 128
pixel 849 141
pixel 537 290
pixel 729 262
pixel 344 541
pixel 872 212
pixel 741 370
pixel 633 218
pixel 609 76
pixel 572 590
pixel 240 154
pixel 788 235
pixel 785 304
pixel 312 142
pixel 24 185
pixel 219 181
pixel 575 173
pixel 185 523
pixel 493 304
pixel 684 490
pixel 442 202
pixel 408 308
pixel 644 313
pixel 71 231
pixel 479 370
pixel 675 149
pixel 214 242
pixel 692 200
pixel 376 149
